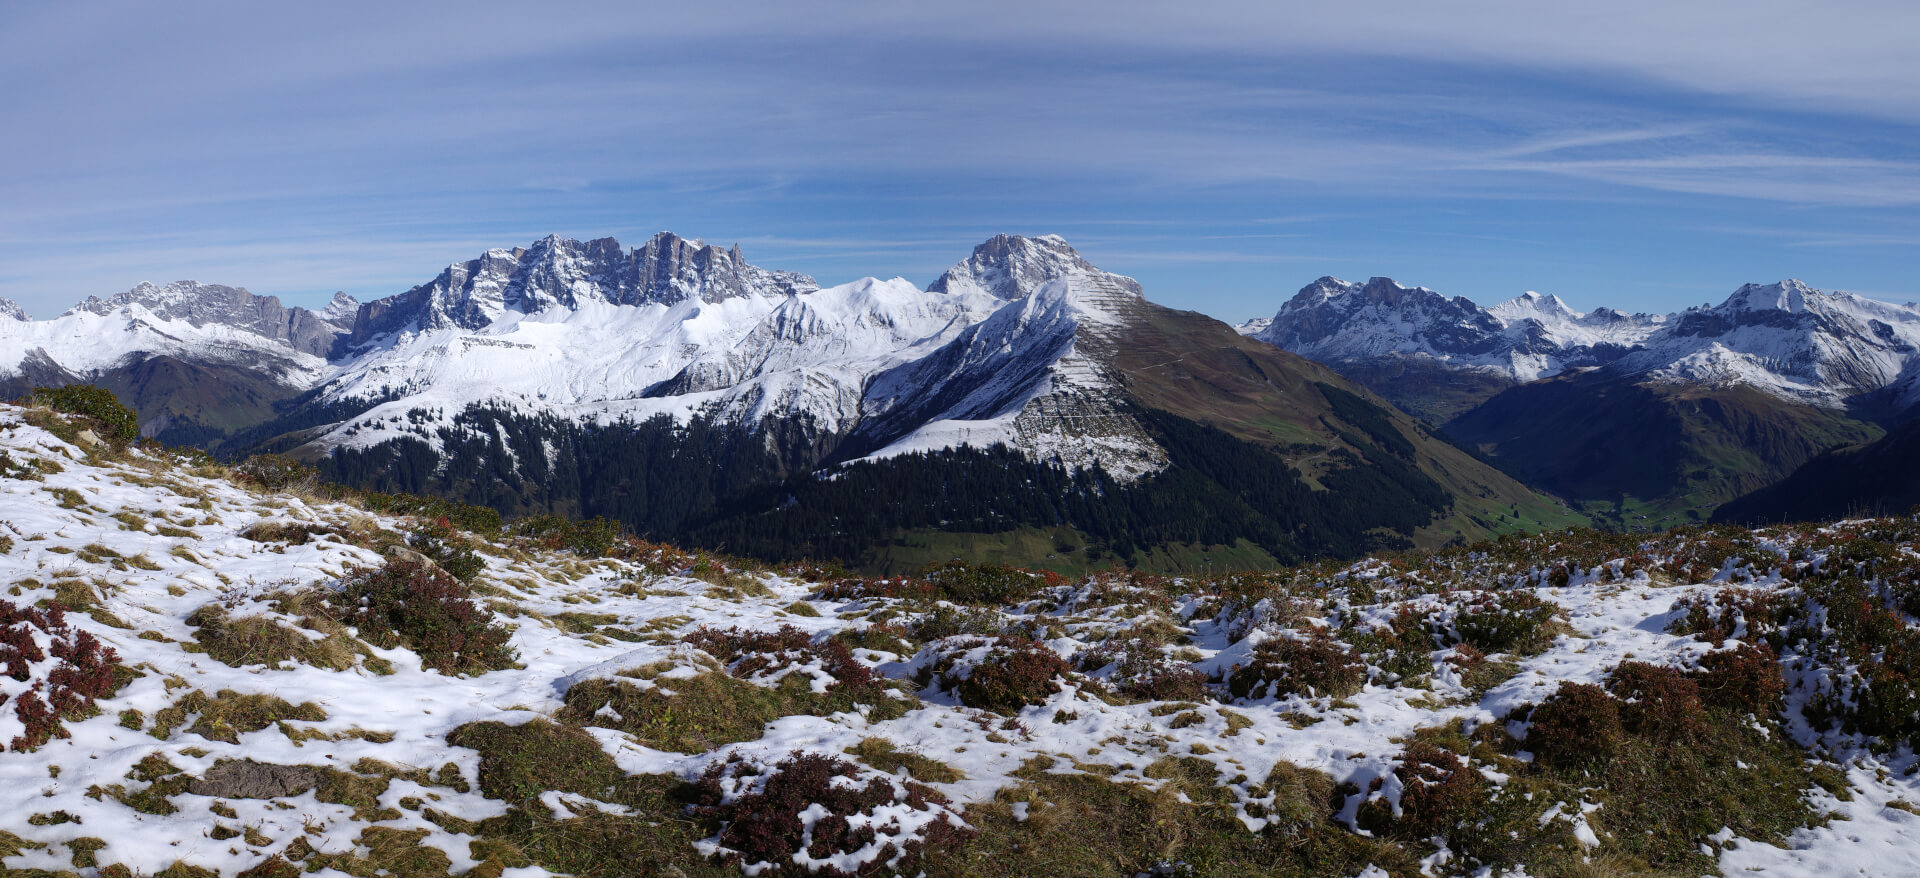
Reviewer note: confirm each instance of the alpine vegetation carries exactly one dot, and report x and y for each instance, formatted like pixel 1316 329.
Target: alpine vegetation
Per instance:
pixel 214 670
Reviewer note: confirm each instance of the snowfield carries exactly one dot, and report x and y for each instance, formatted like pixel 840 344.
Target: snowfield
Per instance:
pixel 1311 717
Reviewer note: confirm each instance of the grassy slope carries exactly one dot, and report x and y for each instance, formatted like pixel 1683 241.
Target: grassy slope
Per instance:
pixel 1429 391
pixel 1636 455
pixel 1198 368
pixel 1878 478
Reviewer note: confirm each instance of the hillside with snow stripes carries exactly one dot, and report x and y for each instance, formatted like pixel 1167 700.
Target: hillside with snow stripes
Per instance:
pixel 204 671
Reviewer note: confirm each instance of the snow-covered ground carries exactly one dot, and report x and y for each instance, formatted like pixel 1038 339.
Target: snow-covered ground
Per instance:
pixel 151 542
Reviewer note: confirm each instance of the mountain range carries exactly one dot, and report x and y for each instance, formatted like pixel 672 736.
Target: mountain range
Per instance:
pixel 1638 418
pixel 1026 406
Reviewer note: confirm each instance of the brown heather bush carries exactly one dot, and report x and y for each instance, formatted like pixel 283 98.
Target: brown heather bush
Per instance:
pixel 993 584
pixel 1507 621
pixel 1755 615
pixel 1658 703
pixel 425 609
pixel 1579 725
pixel 751 653
pixel 1142 671
pixel 1745 678
pixel 1438 789
pixel 763 825
pixel 1316 665
pixel 85 671
pixel 275 472
pixel 1015 673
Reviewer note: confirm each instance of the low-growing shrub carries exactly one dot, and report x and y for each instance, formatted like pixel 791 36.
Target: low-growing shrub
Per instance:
pixel 1658 703
pixel 1141 670
pixel 1437 789
pixel 425 609
pixel 812 814
pixel 1745 678
pixel 467 517
pixel 1578 725
pixel 1315 665
pixel 968 583
pixel 1001 674
pixel 276 472
pixel 946 621
pixel 592 538
pixel 113 420
pixel 1751 614
pixel 1402 649
pixel 765 657
pixel 447 547
pixel 64 679
pixel 1506 621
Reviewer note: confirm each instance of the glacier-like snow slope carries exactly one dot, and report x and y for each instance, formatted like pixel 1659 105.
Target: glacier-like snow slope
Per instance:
pixel 1788 339
pixel 592 333
pixel 200 322
pixel 1032 376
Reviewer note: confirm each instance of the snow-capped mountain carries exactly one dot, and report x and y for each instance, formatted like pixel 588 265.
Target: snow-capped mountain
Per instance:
pixel 206 324
pixel 673 385
pixel 554 271
pixel 1036 375
pixel 1793 341
pixel 1530 337
pixel 1787 339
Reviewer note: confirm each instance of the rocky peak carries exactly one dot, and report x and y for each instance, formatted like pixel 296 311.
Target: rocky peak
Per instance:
pixel 562 272
pixel 340 310
pixel 12 309
pixel 1014 266
pixel 1789 295
pixel 214 304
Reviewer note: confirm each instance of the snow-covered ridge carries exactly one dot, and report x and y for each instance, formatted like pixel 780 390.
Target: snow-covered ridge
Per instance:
pixel 1786 338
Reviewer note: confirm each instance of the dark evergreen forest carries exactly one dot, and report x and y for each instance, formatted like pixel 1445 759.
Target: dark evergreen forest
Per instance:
pixel 716 486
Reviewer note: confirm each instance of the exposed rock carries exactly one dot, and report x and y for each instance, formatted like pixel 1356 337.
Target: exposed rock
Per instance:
pixel 247 779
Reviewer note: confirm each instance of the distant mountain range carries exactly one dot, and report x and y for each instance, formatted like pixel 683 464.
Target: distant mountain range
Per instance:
pixel 1643 418
pixel 1026 406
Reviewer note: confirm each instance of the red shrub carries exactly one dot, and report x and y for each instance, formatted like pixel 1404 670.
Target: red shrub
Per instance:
pixel 1142 671
pixel 1746 678
pixel 1281 666
pixel 1658 702
pixel 1438 790
pixel 1001 674
pixel 1750 614
pixel 427 610
pixel 1578 725
pixel 769 654
pixel 762 827
pixel 67 676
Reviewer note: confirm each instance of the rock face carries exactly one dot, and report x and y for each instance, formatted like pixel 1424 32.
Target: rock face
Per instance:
pixel 247 779
pixel 1530 337
pixel 12 310
pixel 1786 339
pixel 1013 267
pixel 668 270
pixel 212 304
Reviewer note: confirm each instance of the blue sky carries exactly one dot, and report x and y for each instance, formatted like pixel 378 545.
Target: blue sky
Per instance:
pixel 1623 153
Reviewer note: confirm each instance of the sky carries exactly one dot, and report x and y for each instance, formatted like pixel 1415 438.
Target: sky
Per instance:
pixel 1640 155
